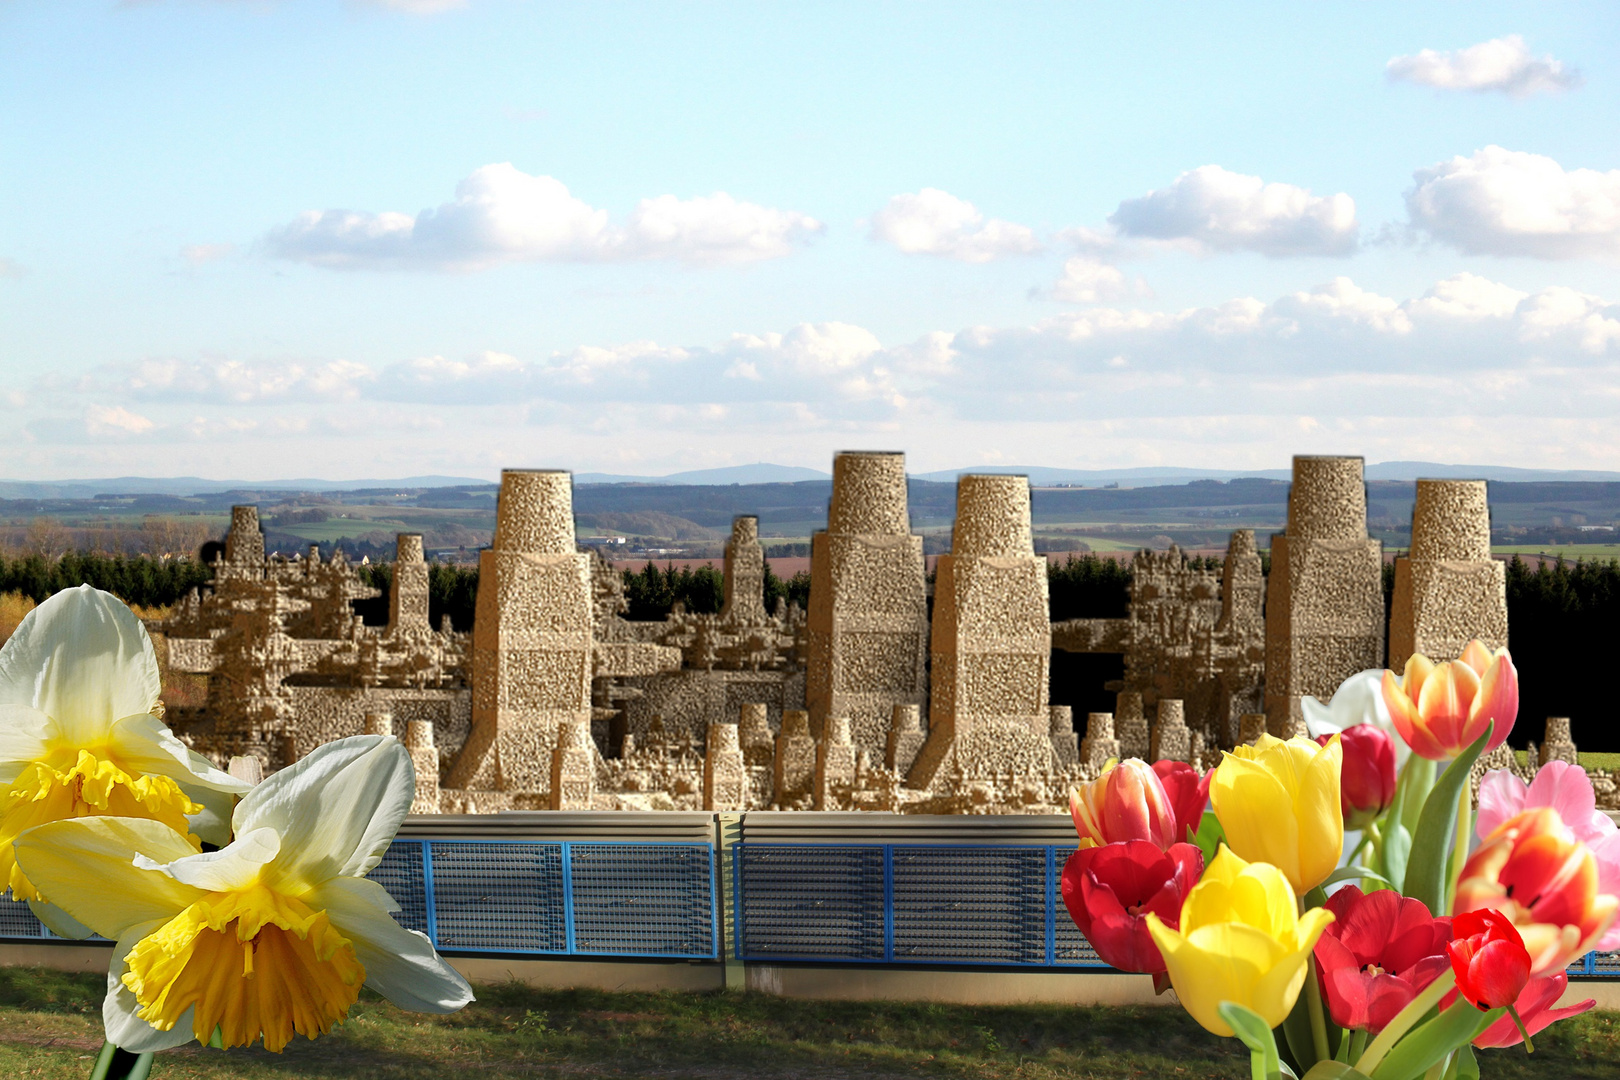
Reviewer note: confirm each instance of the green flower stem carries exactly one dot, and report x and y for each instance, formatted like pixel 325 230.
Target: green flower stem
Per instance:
pixel 1405 1019
pixel 1465 832
pixel 1313 1002
pixel 1514 1012
pixel 1358 1045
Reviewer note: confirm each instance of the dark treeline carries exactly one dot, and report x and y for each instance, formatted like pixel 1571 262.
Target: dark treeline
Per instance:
pixel 452 591
pixel 653 593
pixel 136 579
pixel 1564 631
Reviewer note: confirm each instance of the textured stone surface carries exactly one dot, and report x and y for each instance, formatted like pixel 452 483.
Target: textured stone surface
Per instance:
pixel 794 766
pixel 1131 726
pixel 1325 596
pixel 1100 744
pixel 1449 590
pixel 725 777
pixel 1060 732
pixel 835 765
pixel 1172 741
pixel 992 641
pixel 906 737
pixel 868 622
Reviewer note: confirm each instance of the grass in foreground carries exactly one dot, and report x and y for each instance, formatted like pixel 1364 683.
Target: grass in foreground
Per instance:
pixel 50 1026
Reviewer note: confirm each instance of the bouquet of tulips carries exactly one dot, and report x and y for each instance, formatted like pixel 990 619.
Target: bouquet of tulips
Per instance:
pixel 1441 934
pixel 238 913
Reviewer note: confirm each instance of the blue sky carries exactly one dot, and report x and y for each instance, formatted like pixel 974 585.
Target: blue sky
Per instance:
pixel 370 239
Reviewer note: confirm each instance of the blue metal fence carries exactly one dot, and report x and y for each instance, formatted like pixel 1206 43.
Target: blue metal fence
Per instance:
pixel 905 904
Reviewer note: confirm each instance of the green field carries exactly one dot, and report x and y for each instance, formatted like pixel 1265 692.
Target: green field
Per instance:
pixel 1570 552
pixel 50 1026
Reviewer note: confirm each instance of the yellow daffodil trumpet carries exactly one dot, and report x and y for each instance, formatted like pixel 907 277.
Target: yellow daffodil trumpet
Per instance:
pixel 1241 939
pixel 1279 803
pixel 79 736
pixel 268 937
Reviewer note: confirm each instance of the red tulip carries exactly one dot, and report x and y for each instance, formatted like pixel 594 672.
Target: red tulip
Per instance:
pixel 1489 957
pixel 1188 794
pixel 1110 890
pixel 1381 950
pixel 1127 802
pixel 1367 776
pixel 1535 1009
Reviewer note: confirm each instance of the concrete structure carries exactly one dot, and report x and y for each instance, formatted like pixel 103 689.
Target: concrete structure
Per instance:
pixel 992 641
pixel 868 624
pixel 1448 589
pixel 1325 596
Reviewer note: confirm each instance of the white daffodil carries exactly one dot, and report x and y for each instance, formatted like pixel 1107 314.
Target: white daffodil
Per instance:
pixel 78 687
pixel 1358 700
pixel 272 934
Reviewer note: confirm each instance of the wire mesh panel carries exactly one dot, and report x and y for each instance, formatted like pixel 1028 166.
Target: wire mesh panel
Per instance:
pixel 810 902
pixel 1069 945
pixel 499 897
pixel 643 899
pixel 16 921
pixel 400 872
pixel 970 905
pixel 1606 964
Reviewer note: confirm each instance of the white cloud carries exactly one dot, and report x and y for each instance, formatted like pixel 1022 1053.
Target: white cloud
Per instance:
pixel 1086 280
pixel 1503 64
pixel 934 222
pixel 1214 209
pixel 223 381
pixel 115 421
pixel 419 7
pixel 1506 202
pixel 501 214
pixel 200 254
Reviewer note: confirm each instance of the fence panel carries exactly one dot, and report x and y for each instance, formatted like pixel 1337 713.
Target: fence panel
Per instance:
pixel 644 899
pixel 969 905
pixel 503 897
pixel 810 902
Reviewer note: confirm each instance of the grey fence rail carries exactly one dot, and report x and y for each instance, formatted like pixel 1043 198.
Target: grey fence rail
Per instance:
pixel 872 889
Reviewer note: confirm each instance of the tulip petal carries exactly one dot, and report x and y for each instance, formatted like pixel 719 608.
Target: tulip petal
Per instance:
pixel 336 810
pixel 123 1027
pixel 1318 813
pixel 1498 700
pixel 400 964
pixel 1502 795
pixel 83 659
pixel 25 737
pixel 1257 813
pixel 86 866
pixel 1476 656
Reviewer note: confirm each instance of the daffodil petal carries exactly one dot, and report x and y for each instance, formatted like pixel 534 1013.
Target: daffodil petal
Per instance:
pixel 336 811
pixel 123 1027
pixel 211 824
pixel 400 964
pixel 145 743
pixel 235 866
pixel 25 737
pixel 83 659
pixel 58 921
pixel 86 866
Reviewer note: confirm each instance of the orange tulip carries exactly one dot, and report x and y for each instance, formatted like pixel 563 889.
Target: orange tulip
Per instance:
pixel 1440 709
pixel 1534 870
pixel 1127 802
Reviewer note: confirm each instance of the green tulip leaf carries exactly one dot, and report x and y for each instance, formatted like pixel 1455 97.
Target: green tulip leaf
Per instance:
pixel 1465 1066
pixel 1333 1070
pixel 1209 836
pixel 1357 873
pixel 1426 1045
pixel 116 1063
pixel 1253 1032
pixel 1427 871
pixel 1394 850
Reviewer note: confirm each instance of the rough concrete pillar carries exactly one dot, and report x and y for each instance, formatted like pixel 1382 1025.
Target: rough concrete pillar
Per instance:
pixel 1251 727
pixel 1131 726
pixel 244 546
pixel 905 738
pixel 754 734
pixel 868 620
pixel 531 663
pixel 1325 596
pixel 1100 744
pixel 408 589
pixel 1172 741
pixel 1448 589
pixel 744 574
pixel 379 722
pixel 725 780
pixel 992 641
pixel 835 764
pixel 573 767
pixel 425 760
pixel 795 762
pixel 1060 730
pixel 1556 744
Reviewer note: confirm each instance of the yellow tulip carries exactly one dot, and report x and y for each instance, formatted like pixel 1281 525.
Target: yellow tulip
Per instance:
pixel 1242 940
pixel 1279 803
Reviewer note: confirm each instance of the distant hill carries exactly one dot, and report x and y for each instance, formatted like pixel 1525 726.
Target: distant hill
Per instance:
pixel 194 485
pixel 761 473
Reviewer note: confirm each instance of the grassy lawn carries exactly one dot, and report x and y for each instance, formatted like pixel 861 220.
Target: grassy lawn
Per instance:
pixel 1570 552
pixel 1608 762
pixel 50 1026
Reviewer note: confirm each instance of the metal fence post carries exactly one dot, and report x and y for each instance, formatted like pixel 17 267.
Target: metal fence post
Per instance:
pixel 727 832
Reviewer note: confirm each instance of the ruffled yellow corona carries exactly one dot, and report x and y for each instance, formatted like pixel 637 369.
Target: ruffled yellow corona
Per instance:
pixel 1241 939
pixel 1278 803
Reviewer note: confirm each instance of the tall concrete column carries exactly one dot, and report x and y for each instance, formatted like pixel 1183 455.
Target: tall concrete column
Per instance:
pixel 992 640
pixel 408 589
pixel 868 619
pixel 1325 595
pixel 531 664
pixel 1448 590
pixel 744 574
